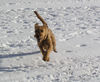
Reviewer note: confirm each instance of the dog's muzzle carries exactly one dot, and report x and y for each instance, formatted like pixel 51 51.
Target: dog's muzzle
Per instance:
pixel 38 38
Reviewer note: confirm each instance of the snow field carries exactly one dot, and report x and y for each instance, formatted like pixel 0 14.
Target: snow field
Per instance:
pixel 77 31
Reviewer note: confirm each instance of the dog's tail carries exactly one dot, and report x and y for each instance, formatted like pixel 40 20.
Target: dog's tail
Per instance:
pixel 41 19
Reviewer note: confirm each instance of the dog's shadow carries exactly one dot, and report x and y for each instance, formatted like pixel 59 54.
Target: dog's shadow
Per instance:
pixel 7 69
pixel 19 54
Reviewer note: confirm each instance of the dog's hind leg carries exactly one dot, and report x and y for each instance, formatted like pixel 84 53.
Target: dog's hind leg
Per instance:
pixel 53 42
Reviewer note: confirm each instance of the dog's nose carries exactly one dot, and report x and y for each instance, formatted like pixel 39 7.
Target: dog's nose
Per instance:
pixel 38 36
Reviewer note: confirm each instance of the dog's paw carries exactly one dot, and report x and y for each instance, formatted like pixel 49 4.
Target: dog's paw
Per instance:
pixel 55 50
pixel 46 59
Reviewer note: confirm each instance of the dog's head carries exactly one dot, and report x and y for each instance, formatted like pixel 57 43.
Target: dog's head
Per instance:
pixel 40 32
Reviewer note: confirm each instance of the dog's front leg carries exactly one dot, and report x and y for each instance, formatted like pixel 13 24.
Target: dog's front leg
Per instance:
pixel 46 56
pixel 47 53
pixel 42 51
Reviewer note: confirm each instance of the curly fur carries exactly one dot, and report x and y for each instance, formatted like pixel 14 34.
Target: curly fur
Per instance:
pixel 45 38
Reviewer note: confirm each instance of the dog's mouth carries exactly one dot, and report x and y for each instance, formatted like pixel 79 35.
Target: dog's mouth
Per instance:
pixel 39 39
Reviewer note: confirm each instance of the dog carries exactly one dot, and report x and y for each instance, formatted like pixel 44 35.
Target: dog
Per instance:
pixel 45 38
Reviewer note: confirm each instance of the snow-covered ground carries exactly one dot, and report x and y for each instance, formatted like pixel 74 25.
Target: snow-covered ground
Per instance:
pixel 76 25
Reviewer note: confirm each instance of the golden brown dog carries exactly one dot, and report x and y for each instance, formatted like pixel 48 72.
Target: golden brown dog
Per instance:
pixel 45 38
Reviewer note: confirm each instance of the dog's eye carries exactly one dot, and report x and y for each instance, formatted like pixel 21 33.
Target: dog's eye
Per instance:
pixel 41 30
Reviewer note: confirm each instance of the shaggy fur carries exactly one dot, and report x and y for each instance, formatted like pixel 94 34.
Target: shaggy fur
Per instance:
pixel 45 38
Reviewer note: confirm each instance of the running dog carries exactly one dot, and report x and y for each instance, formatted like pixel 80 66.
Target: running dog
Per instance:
pixel 45 38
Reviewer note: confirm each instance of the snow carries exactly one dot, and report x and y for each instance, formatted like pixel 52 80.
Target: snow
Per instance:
pixel 76 25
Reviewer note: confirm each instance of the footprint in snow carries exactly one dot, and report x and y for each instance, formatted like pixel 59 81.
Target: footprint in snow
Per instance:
pixel 12 3
pixel 68 51
pixel 81 45
pixel 9 31
pixel 98 38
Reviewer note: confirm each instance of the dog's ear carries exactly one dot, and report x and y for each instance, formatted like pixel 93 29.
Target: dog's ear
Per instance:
pixel 36 25
pixel 45 25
